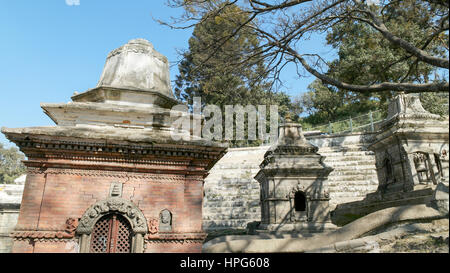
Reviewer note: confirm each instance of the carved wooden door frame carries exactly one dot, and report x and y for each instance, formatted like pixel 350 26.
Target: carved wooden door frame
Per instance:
pixel 123 207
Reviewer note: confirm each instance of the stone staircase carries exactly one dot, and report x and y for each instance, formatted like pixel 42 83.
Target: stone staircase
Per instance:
pixel 232 194
pixel 354 173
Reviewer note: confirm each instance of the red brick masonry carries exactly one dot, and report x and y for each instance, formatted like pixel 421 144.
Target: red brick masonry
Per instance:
pixel 67 176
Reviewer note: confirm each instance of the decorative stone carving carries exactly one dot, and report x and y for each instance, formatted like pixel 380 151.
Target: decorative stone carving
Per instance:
pixel 413 137
pixel 421 165
pixel 113 204
pixel 408 106
pixel 165 220
pixel 153 226
pixel 388 170
pixel 70 227
pixel 297 188
pixel 115 189
pixel 291 196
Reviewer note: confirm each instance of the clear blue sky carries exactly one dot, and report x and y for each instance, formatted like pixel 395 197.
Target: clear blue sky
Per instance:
pixel 49 49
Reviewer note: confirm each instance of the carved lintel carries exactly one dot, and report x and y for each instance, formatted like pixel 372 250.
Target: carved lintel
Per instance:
pixel 113 204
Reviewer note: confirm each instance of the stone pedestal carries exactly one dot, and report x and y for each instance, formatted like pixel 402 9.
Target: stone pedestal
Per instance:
pixel 293 181
pixel 112 154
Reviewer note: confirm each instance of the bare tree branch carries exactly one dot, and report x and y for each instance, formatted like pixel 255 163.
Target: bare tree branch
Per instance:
pixel 420 54
pixel 290 27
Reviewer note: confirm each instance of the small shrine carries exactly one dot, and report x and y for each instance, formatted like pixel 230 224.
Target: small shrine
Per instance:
pixel 293 185
pixel 412 147
pixel 411 151
pixel 110 176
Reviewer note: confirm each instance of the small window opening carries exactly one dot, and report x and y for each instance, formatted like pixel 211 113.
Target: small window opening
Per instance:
pixel 388 173
pixel 300 201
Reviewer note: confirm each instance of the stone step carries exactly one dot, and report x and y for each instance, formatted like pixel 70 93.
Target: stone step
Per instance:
pixel 343 153
pixel 228 204
pixel 350 167
pixel 356 182
pixel 350 188
pixel 232 194
pixel 229 197
pixel 229 217
pixel 346 194
pixel 360 156
pixel 352 179
pixel 354 157
pixel 346 148
pixel 226 224
pixel 354 172
pixel 362 161
pixel 235 175
pixel 350 158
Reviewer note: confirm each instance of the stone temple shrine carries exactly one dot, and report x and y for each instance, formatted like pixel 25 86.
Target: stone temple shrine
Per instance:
pixel 294 186
pixel 110 176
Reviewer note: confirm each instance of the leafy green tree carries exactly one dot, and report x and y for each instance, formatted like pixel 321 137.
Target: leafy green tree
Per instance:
pixel 11 165
pixel 207 74
pixel 322 99
pixel 436 103
pixel 365 58
pixel 211 74
pixel 325 104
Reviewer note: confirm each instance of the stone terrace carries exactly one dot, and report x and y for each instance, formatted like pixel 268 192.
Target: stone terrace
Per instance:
pixel 232 194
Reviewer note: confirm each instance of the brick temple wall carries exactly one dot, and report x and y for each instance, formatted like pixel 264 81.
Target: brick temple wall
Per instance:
pixel 52 197
pixel 232 194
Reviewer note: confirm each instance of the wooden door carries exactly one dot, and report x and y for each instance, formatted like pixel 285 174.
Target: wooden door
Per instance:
pixel 111 234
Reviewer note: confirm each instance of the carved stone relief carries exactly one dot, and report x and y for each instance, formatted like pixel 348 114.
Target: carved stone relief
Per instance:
pixel 422 167
pixel 165 220
pixel 153 226
pixel 115 189
pixel 113 204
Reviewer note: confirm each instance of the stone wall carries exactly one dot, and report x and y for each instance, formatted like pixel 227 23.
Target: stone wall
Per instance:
pixel 232 194
pixel 10 197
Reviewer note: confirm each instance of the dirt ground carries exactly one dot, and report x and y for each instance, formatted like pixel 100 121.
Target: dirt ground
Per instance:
pixel 430 238
pixel 418 243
